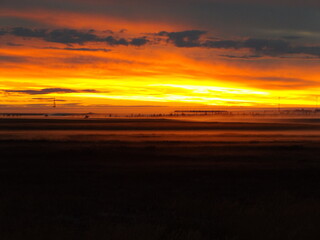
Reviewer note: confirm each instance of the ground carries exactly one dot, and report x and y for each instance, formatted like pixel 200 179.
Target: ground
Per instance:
pixel 149 185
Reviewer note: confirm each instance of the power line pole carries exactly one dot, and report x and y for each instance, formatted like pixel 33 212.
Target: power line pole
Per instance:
pixel 54 103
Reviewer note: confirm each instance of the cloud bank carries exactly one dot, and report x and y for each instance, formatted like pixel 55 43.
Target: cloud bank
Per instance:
pixel 72 36
pixel 181 39
pixel 50 91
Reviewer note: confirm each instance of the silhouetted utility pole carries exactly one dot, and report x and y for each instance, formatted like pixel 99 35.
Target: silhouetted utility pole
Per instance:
pixel 54 103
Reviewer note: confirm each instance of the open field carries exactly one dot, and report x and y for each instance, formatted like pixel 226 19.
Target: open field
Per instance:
pixel 159 179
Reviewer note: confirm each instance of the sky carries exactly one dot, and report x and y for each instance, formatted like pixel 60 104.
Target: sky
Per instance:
pixel 99 53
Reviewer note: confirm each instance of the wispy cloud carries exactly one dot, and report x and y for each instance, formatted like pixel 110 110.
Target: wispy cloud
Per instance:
pixel 189 38
pixel 73 36
pixel 12 59
pixel 257 46
pixel 81 49
pixel 50 90
pixel 181 39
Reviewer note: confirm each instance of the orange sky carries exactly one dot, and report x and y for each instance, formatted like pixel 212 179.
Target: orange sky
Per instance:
pixel 177 67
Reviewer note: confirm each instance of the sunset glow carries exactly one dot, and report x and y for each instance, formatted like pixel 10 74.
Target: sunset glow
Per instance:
pixel 99 54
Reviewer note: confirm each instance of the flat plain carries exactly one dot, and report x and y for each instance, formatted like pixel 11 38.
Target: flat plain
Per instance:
pixel 159 179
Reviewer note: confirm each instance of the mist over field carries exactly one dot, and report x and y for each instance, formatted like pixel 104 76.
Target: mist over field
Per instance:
pixel 155 178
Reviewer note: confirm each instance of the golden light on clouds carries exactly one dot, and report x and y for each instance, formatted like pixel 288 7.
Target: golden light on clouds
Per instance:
pixel 91 59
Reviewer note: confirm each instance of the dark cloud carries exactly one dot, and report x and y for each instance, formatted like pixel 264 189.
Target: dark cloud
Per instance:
pixel 66 36
pixel 2 32
pixel 138 42
pixel 267 46
pixel 263 47
pixel 221 44
pixel 257 18
pixel 312 50
pixel 81 49
pixel 258 47
pixel 28 32
pixel 113 41
pixel 69 36
pixel 183 39
pixel 89 49
pixel 12 59
pixel 291 37
pixel 50 90
pixel 11 44
pixel 73 36
pixel 190 38
pixel 241 56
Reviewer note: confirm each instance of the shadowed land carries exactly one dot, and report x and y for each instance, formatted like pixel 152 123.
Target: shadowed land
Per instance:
pixel 147 184
pixel 161 124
